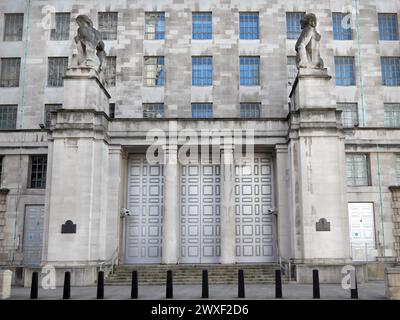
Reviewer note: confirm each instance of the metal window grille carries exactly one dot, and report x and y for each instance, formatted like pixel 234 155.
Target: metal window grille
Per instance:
pixel 345 71
pixel 293 27
pixel 250 110
pixel 154 26
pixel 154 71
pixel 249 71
pixel 48 110
pixel 108 25
pixel 10 71
pixel 291 70
pixel 249 25
pixel 57 68
pixel 13 26
pixel 8 116
pixel 390 71
pixel 357 170
pixel 202 110
pixel 388 26
pixel 392 115
pixel 341 26
pixel 202 71
pixel 38 171
pixel 62 26
pixel 349 114
pixel 111 71
pixel 153 110
pixel 202 25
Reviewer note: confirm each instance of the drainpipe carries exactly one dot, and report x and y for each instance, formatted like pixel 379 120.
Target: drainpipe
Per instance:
pixel 380 202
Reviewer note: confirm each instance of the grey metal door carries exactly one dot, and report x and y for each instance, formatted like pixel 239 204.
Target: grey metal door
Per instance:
pixel 255 227
pixel 145 203
pixel 33 234
pixel 200 214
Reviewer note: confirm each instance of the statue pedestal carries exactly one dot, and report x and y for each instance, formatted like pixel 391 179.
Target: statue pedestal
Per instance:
pixel 319 201
pixel 82 206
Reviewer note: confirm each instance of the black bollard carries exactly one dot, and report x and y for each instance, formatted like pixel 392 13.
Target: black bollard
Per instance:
pixel 134 289
pixel 100 285
pixel 169 291
pixel 67 285
pixel 204 292
pixel 278 284
pixel 353 283
pixel 241 293
pixel 316 292
pixel 35 285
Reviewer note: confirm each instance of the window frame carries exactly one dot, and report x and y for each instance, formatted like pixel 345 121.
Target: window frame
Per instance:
pixel 157 35
pixel 14 118
pixel 43 183
pixel 392 81
pixel 392 121
pixel 203 24
pixel 55 34
pixel 293 34
pixel 159 105
pixel 111 75
pixel 201 76
pixel 108 31
pixel 340 33
pixel 59 82
pixel 354 170
pixel 19 34
pixel 205 110
pixel 249 81
pixel 341 106
pixel 17 72
pixel 246 114
pixel 343 80
pixel 48 109
pixel 246 31
pixel 385 35
pixel 157 66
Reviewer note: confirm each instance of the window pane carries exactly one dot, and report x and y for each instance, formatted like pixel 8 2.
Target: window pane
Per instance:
pixel 153 110
pixel 390 71
pixel 61 30
pixel 392 115
pixel 155 26
pixel 38 171
pixel 345 71
pixel 110 72
pixel 357 170
pixel 250 110
pixel 49 109
pixel 349 114
pixel 388 26
pixel 202 71
pixel 202 110
pixel 342 26
pixel 8 116
pixel 202 25
pixel 249 71
pixel 108 25
pixel 249 25
pixel 10 70
pixel 293 27
pixel 57 68
pixel 13 26
pixel 154 74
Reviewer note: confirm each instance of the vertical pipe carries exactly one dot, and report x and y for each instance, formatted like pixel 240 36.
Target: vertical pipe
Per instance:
pixel 241 290
pixel 316 291
pixel 34 285
pixel 278 284
pixel 169 289
pixel 204 293
pixel 67 285
pixel 100 285
pixel 134 288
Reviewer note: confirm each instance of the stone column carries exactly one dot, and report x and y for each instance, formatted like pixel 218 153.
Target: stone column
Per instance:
pixel 171 219
pixel 228 234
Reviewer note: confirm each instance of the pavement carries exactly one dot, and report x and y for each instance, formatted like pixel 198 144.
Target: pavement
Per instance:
pixel 368 291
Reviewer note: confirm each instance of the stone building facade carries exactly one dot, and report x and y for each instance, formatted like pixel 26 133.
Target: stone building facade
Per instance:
pixel 327 148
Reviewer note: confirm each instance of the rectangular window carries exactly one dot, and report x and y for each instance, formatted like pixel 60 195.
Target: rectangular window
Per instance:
pixel 111 110
pixel 249 25
pixel 202 25
pixel 202 71
pixel 357 170
pixel 155 26
pixel 392 115
pixel 390 71
pixel 398 169
pixel 108 25
pixel 153 110
pixel 62 25
pixel 249 71
pixel 38 171
pixel 349 114
pixel 202 110
pixel 342 26
pixel 250 110
pixel 57 68
pixel 154 71
pixel 48 110
pixel 388 26
pixel 8 116
pixel 293 27
pixel 111 71
pixel 13 26
pixel 345 71
pixel 291 70
pixel 10 70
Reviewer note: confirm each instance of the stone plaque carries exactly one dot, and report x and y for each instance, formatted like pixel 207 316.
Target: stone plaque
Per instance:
pixel 323 225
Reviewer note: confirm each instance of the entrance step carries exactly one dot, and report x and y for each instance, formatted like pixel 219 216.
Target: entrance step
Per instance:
pixel 192 274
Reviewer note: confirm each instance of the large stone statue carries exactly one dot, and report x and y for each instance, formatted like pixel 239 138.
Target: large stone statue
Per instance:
pixel 90 46
pixel 307 46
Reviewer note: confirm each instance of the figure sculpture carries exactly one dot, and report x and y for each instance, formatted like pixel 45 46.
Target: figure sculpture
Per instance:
pixel 307 46
pixel 90 46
